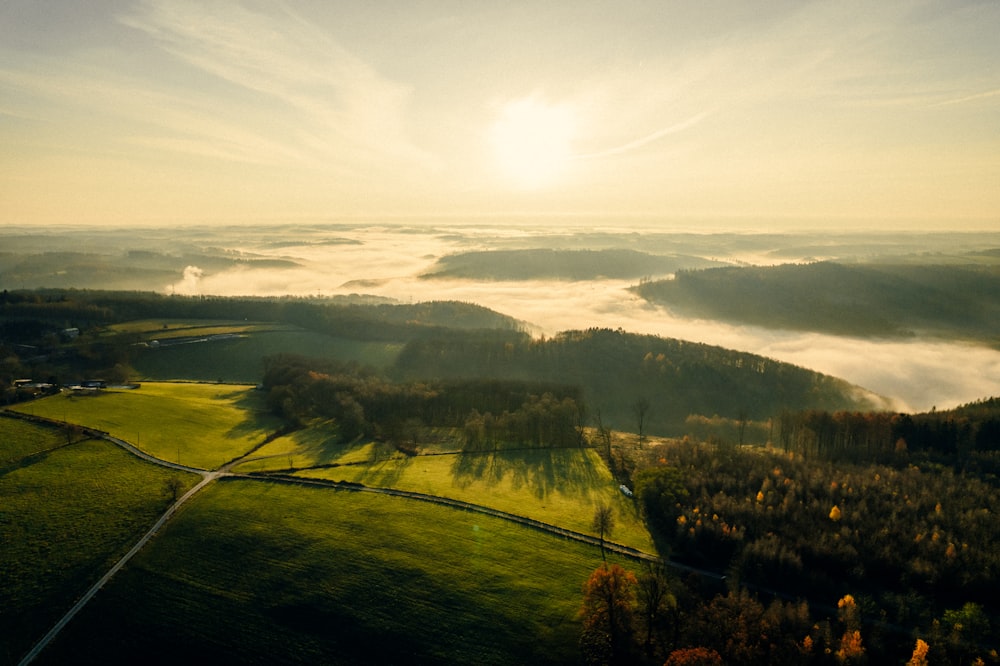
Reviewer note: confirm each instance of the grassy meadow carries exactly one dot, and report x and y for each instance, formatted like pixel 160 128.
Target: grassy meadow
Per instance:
pixel 317 444
pixel 557 486
pixel 259 572
pixel 199 425
pixel 19 440
pixel 66 515
pixel 241 358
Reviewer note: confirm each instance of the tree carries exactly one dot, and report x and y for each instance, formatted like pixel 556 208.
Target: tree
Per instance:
pixel 654 598
pixel 603 524
pixel 173 486
pixel 919 657
pixel 605 434
pixel 851 650
pixel 697 656
pixel 640 408
pixel 608 615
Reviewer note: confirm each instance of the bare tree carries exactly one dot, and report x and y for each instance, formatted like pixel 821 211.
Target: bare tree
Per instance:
pixel 605 435
pixel 640 408
pixel 604 523
pixel 654 599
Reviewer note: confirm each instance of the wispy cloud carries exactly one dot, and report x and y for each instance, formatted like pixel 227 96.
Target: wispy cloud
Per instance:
pixel 649 138
pixel 342 103
pixel 968 98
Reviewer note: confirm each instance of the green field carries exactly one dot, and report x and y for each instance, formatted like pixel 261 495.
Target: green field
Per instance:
pixel 317 444
pixel 65 516
pixel 200 425
pixel 556 486
pixel 259 572
pixel 164 329
pixel 20 439
pixel 238 359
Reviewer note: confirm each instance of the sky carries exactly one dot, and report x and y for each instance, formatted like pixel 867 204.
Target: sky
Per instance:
pixel 176 111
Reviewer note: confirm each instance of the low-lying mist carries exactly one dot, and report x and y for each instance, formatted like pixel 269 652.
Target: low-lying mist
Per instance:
pixel 392 261
pixel 914 374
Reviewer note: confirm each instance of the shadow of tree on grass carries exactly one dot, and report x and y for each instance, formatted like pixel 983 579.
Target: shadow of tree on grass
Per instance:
pixel 542 471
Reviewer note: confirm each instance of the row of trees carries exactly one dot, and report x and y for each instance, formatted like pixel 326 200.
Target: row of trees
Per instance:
pixel 862 436
pixel 518 414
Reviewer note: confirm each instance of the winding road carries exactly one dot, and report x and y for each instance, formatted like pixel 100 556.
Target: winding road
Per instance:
pixel 224 472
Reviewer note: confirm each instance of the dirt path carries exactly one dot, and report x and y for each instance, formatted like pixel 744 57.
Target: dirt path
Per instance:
pixel 223 472
pixel 208 477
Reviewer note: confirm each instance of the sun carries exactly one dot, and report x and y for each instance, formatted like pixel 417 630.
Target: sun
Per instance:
pixel 532 141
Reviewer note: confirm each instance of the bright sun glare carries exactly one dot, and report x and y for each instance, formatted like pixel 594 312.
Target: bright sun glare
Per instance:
pixel 532 141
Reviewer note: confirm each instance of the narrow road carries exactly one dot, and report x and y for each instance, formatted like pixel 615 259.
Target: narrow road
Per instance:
pixel 54 631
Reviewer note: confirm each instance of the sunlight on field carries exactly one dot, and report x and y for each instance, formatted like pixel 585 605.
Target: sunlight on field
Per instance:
pixel 171 328
pixel 201 425
pixel 316 445
pixel 321 576
pixel 560 486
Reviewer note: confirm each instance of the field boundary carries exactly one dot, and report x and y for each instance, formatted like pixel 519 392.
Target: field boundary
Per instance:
pixel 620 549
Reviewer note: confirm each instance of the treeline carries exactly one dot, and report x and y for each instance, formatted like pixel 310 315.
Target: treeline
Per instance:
pixel 911 543
pixel 954 435
pixel 870 300
pixel 618 370
pixel 490 415
pixel 338 317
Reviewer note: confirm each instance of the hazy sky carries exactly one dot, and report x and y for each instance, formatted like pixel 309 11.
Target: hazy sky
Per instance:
pixel 176 111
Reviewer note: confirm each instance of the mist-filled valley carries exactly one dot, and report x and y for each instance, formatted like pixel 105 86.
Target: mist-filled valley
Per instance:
pixel 907 315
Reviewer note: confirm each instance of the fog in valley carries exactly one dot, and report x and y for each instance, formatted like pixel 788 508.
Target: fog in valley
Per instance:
pixel 408 263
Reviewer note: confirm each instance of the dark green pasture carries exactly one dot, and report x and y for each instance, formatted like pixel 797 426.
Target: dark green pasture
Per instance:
pixel 260 572
pixel 66 515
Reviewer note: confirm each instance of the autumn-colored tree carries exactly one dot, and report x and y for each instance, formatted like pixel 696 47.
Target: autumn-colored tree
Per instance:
pixel 734 626
pixel 603 524
pixel 608 615
pixel 850 649
pixel 919 657
pixel 696 656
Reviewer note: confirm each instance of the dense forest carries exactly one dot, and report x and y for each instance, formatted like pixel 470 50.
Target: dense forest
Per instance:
pixel 621 374
pixel 961 302
pixel 913 541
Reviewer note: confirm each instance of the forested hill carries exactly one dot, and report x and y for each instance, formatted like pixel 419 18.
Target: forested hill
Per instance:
pixel 960 302
pixel 27 311
pixel 542 263
pixel 619 371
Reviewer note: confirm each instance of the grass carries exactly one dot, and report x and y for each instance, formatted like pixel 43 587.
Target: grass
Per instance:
pixel 258 572
pixel 556 486
pixel 241 359
pixel 19 440
pixel 65 516
pixel 164 329
pixel 315 445
pixel 200 425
